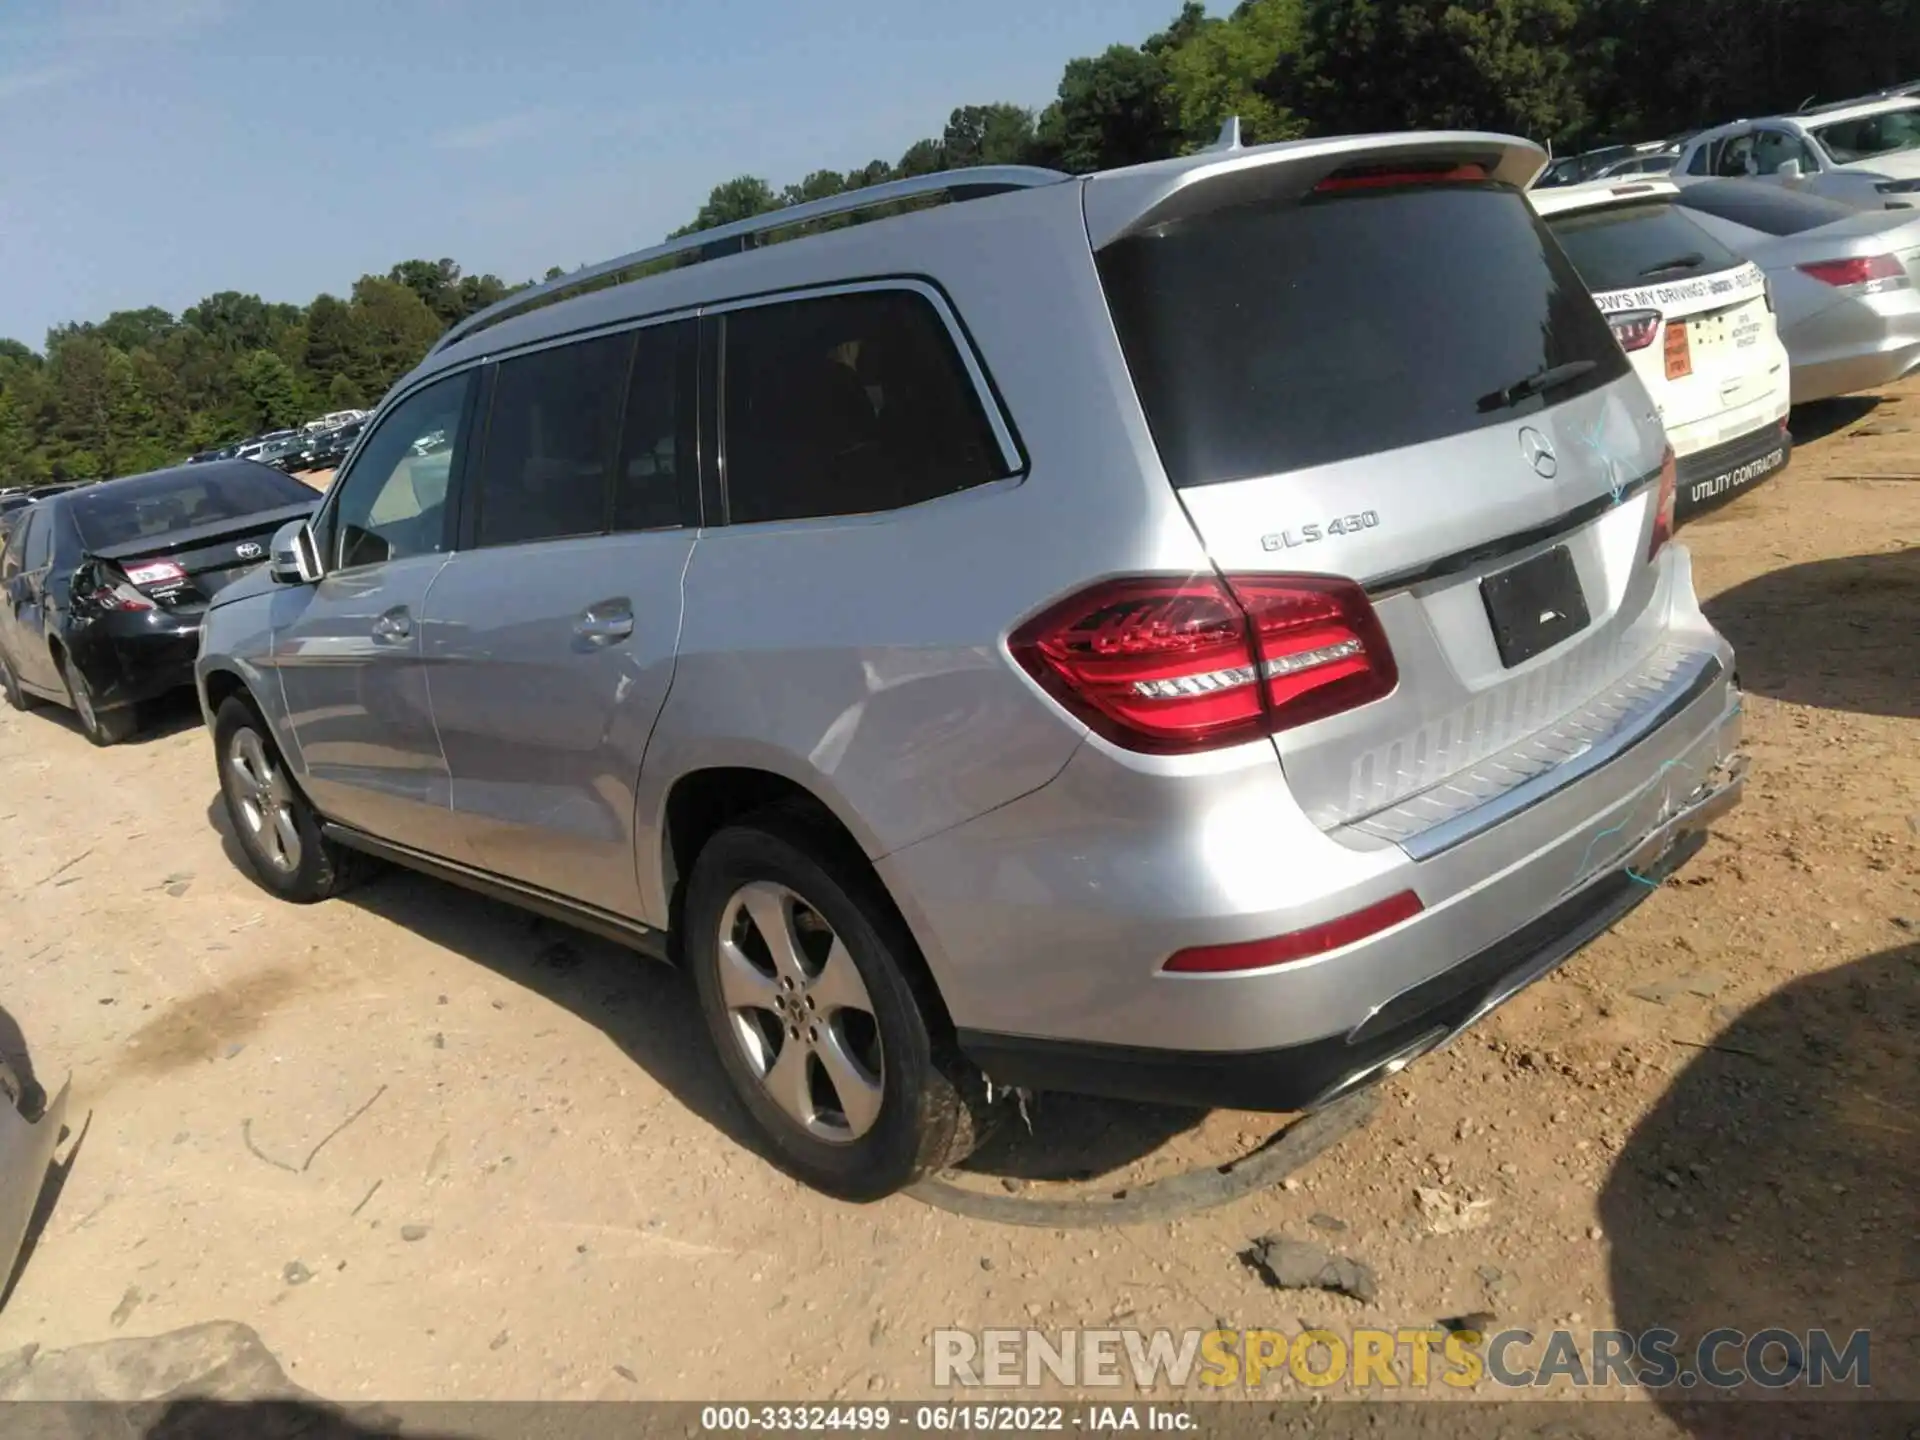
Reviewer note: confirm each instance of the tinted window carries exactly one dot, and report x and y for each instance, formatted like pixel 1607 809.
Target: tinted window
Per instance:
pixel 1702 161
pixel 17 545
pixel 1870 135
pixel 1284 334
pixel 656 448
pixel 847 404
pixel 1628 245
pixel 39 551
pixel 1765 208
pixel 393 499
pixel 551 430
pixel 158 504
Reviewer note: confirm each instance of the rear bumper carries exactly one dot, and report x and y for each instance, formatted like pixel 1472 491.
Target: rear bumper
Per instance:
pixel 136 656
pixel 1857 344
pixel 1709 479
pixel 1409 1025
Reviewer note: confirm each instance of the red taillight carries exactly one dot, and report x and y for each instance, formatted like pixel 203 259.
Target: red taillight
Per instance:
pixel 1377 178
pixel 1663 507
pixel 1167 666
pixel 1635 329
pixel 1862 270
pixel 1300 944
pixel 119 596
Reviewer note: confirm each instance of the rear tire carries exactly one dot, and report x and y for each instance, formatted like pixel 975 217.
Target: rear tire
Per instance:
pixel 278 831
pixel 102 727
pixel 819 1029
pixel 10 685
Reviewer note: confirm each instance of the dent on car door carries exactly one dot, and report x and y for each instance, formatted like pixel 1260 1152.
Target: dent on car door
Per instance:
pixel 550 637
pixel 347 648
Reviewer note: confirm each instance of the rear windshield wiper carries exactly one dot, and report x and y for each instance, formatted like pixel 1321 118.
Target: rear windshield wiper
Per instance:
pixel 1550 378
pixel 1679 262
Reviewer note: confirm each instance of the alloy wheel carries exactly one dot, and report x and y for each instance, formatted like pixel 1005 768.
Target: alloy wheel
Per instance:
pixel 265 801
pixel 800 1012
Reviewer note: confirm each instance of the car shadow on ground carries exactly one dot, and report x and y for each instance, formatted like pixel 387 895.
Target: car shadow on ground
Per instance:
pixel 29 1097
pixel 1833 633
pixel 1821 418
pixel 649 1010
pixel 161 719
pixel 1772 1187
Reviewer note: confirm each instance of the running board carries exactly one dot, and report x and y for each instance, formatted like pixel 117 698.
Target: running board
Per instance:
pixel 631 933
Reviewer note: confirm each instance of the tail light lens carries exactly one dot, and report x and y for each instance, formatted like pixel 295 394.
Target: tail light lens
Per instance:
pixel 1877 270
pixel 1171 666
pixel 1635 329
pixel 1380 177
pixel 118 595
pixel 1663 507
pixel 1299 944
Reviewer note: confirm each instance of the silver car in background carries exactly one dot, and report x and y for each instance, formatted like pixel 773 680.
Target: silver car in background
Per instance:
pixel 1865 153
pixel 1204 632
pixel 1845 282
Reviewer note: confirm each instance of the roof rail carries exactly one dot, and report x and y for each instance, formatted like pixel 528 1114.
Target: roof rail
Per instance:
pixel 965 184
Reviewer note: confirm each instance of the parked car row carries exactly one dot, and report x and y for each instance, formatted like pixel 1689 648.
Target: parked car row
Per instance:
pixel 1084 657
pixel 316 445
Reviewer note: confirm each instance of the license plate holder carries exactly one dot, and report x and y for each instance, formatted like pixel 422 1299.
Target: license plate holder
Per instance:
pixel 1535 605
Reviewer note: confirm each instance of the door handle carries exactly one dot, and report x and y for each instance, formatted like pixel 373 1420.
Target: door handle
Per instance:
pixel 394 626
pixel 606 622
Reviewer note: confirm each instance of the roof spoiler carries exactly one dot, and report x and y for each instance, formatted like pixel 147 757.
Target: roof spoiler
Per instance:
pixel 1123 202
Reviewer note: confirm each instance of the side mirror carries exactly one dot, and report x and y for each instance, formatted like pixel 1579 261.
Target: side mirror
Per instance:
pixel 293 559
pixel 1789 170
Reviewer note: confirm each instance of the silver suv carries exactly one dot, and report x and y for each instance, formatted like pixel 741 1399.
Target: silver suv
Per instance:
pixel 1201 633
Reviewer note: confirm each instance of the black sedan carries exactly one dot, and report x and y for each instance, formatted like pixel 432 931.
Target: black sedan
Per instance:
pixel 102 589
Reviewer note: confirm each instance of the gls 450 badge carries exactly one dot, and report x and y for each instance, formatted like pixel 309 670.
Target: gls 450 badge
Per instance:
pixel 1313 534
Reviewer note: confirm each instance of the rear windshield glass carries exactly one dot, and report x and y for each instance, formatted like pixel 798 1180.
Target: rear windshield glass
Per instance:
pixel 1766 208
pixel 1285 334
pixel 1628 245
pixel 153 505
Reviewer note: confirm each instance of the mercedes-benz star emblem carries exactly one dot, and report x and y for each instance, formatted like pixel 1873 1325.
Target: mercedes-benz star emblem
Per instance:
pixel 1539 452
pixel 247 550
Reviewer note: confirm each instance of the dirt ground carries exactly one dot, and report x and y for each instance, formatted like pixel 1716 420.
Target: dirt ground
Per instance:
pixel 431 1149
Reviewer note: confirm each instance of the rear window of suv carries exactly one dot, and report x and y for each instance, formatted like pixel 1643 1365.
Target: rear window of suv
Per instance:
pixel 1648 242
pixel 1285 334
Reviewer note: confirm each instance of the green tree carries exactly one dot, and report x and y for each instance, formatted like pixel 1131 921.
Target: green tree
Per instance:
pixel 740 198
pixel 269 389
pixel 343 394
pixel 396 329
pixel 1225 68
pixel 1404 64
pixel 987 135
pixel 1112 109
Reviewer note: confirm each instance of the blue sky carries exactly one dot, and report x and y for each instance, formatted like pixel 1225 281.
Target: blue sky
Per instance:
pixel 155 151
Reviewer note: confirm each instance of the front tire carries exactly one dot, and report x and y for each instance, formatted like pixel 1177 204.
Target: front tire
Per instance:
pixel 802 969
pixel 278 831
pixel 102 727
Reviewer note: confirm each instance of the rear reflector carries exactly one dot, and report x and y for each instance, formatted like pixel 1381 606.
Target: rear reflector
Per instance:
pixel 1169 666
pixel 1300 944
pixel 1668 496
pixel 1381 177
pixel 1862 270
pixel 1635 329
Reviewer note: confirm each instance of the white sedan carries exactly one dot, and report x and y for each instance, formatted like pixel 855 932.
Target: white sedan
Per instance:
pixel 1866 154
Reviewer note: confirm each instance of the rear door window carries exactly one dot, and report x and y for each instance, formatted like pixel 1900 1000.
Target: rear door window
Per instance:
pixel 1279 335
pixel 845 405
pixel 1648 242
pixel 40 543
pixel 551 431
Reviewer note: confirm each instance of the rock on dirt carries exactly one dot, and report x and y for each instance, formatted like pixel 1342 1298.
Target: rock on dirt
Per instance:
pixel 1299 1265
